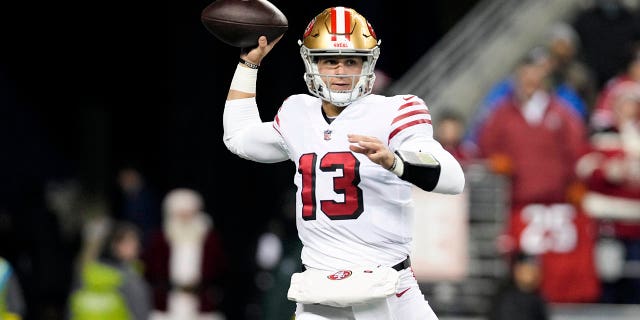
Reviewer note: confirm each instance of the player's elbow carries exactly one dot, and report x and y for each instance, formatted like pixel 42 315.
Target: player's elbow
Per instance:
pixel 232 145
pixel 457 185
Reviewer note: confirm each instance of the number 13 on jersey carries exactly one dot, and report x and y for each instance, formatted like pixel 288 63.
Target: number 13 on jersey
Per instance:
pixel 346 185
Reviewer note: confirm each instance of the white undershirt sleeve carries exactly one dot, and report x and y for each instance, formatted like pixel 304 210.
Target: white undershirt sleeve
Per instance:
pixel 247 136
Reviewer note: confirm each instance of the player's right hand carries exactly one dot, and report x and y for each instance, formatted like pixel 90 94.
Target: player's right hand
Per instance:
pixel 373 148
pixel 258 53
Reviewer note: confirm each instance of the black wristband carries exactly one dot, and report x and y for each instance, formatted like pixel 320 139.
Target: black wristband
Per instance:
pixel 249 64
pixel 423 176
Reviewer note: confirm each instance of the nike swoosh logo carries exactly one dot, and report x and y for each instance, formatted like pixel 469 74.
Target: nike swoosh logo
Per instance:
pixel 402 292
pixel 408 98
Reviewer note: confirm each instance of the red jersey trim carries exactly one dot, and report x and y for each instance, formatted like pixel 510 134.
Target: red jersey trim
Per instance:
pixel 407 125
pixel 410 103
pixel 409 114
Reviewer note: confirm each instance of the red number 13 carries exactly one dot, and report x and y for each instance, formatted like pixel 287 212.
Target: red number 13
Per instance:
pixel 347 185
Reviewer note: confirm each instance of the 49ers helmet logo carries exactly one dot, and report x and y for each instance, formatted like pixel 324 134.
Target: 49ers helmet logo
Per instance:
pixel 342 274
pixel 307 31
pixel 373 33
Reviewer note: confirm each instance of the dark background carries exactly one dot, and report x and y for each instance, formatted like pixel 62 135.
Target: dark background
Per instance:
pixel 89 86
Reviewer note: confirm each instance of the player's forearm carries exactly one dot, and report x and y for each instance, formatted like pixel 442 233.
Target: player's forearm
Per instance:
pixel 235 95
pixel 446 177
pixel 451 180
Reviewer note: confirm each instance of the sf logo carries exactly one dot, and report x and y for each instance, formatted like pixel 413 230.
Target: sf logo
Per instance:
pixel 342 274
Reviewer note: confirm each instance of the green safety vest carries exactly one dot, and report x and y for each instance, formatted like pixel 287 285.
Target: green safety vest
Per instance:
pixel 99 298
pixel 5 273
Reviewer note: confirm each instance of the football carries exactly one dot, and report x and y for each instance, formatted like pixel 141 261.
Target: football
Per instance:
pixel 239 23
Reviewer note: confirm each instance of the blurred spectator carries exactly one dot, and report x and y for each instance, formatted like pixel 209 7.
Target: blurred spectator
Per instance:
pixel 519 297
pixel 502 90
pixel 138 202
pixel 572 79
pixel 97 223
pixel 62 197
pixel 123 253
pixel 82 278
pixel 450 132
pixel 603 117
pixel 540 59
pixel 612 173
pixel 563 237
pixel 278 257
pixel 98 297
pixel 533 139
pixel 185 262
pixel 114 278
pixel 12 304
pixel 530 132
pixel 605 29
pixel 64 204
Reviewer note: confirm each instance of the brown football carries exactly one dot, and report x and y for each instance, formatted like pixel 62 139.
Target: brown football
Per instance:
pixel 239 23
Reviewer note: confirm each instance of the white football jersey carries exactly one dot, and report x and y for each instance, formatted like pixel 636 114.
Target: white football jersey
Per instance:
pixel 350 210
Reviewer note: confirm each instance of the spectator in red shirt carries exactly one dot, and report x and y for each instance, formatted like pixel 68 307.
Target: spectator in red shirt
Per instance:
pixel 603 117
pixel 612 173
pixel 535 140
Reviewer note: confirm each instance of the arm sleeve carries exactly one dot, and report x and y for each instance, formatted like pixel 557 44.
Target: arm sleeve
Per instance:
pixel 15 298
pixel 247 136
pixel 451 179
pixel 137 294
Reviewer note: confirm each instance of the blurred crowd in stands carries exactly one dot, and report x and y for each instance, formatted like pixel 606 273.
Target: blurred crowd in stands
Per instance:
pixel 563 127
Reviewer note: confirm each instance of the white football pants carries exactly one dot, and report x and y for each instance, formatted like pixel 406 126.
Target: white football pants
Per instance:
pixel 407 304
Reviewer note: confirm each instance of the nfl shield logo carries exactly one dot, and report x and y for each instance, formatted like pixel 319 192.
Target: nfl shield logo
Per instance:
pixel 327 134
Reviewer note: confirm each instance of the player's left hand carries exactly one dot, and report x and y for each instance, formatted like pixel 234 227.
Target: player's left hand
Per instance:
pixel 373 148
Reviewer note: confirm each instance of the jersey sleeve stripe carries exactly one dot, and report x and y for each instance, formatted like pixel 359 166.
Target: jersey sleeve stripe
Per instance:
pixel 409 104
pixel 407 125
pixel 409 114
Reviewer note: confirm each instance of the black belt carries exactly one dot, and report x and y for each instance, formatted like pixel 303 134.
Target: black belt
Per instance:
pixel 406 263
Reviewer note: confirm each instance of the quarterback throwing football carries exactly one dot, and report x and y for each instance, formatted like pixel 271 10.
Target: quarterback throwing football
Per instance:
pixel 357 156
